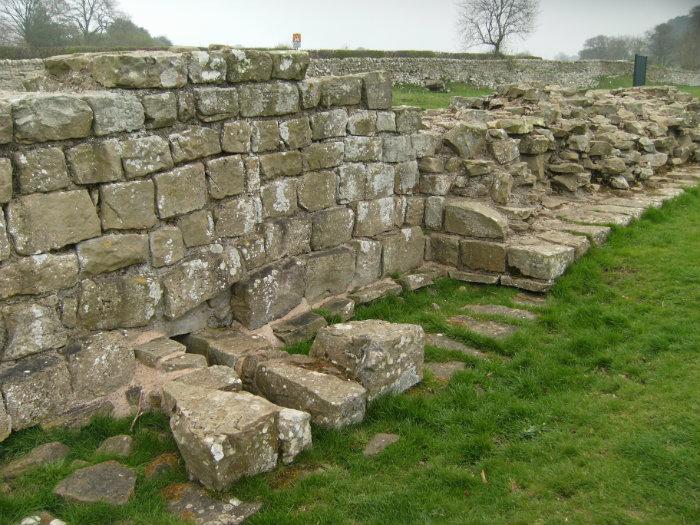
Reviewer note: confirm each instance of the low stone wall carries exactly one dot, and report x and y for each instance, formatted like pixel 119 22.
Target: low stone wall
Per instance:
pixel 494 73
pixel 17 75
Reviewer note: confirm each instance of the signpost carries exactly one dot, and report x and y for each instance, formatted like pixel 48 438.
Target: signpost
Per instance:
pixel 296 40
pixel 640 70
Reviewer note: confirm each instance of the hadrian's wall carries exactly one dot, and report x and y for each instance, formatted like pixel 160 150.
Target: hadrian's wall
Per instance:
pixel 494 73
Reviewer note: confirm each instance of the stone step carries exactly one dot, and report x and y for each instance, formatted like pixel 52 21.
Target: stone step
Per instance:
pixel 490 329
pixel 299 328
pixel 535 258
pixel 584 216
pixel 445 371
pixel 182 362
pixel 529 285
pixel 579 243
pixel 473 277
pixel 376 291
pixel 622 210
pixel 528 299
pixel 504 311
pixel 190 502
pixel 340 307
pixel 596 234
pixel 442 341
pixel 212 378
pixel 151 353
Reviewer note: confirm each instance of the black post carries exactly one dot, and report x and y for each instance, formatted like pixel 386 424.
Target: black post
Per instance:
pixel 640 70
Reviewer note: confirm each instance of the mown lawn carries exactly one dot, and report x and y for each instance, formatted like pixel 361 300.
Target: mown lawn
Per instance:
pixel 589 415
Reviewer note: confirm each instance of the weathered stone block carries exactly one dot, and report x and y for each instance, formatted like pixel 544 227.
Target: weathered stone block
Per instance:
pixel 504 151
pixel 467 140
pixel 87 485
pixel 294 433
pixel 112 252
pixel 114 302
pixel 199 278
pixel 310 91
pixel 194 143
pixel 139 69
pixel 323 155
pixel 226 176
pixel 279 198
pixel 47 117
pixel 299 328
pixel 409 119
pixel 43 222
pixel 362 123
pixel 284 164
pixel 115 112
pixel 473 219
pixel 380 180
pixel 541 261
pixel 96 162
pixel 182 362
pixel 31 328
pixel 483 255
pixel 99 364
pixel 128 205
pixel 329 273
pixel 331 401
pixel 374 217
pixel 289 65
pixel 35 388
pixel 402 250
pixel 38 274
pixel 368 262
pixel 329 124
pixel 341 91
pixel 236 217
pixel 296 133
pixel 398 149
pixel 415 210
pixel 271 99
pixel 206 67
pixel 383 357
pixel 5 180
pixel 406 177
pixel 197 228
pixel 269 293
pixel 287 237
pixel 181 190
pixel 41 170
pixel 386 121
pixel 145 155
pixel 316 190
pixel 444 249
pixel 167 246
pixel 235 137
pixel 374 291
pixel 6 125
pixel 363 149
pixel 160 109
pixel 265 135
pixel 377 90
pixel 332 227
pixel 150 353
pixel 248 66
pixel 215 103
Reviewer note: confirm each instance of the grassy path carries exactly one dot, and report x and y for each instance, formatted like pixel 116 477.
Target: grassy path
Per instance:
pixel 591 414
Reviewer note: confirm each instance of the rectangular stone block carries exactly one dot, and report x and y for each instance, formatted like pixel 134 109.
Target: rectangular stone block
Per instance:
pixel 398 149
pixel 287 237
pixel 128 205
pixel 332 227
pixel 289 65
pixel 329 273
pixel 236 217
pixel 194 143
pixel 167 246
pixel 145 155
pixel 540 260
pixel 474 219
pixel 197 228
pixel 265 135
pixel 5 180
pixel 181 190
pixel 402 251
pixel 374 217
pixel 362 123
pixel 279 198
pixel 43 222
pixel 41 170
pixel 235 137
pixel 483 255
pixel 444 249
pixel 368 262
pixel 284 164
pixel 270 99
pixel 226 176
pixel 341 91
pixel 115 112
pixel 323 155
pixel 215 103
pixel 296 133
pixel 46 117
pixel 96 162
pixel 316 190
pixel 31 328
pixel 329 124
pixel 363 149
pixel 377 90
pixel 206 67
pixel 38 274
pixel 112 252
pixel 248 65
pixel 139 69
pixel 160 110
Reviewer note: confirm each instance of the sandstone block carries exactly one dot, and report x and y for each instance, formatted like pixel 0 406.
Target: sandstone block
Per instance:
pixel 41 170
pixel 279 198
pixel 145 155
pixel 293 433
pixel 310 91
pixel 434 212
pixel 285 164
pixel 270 99
pixel 332 227
pixel 406 177
pixel 226 176
pixel 323 155
pixel 248 66
pixel 112 252
pixel 152 352
pixel 467 140
pixel 483 255
pixel 368 262
pixel 300 328
pixel 316 190
pixel 235 137
pixel 383 357
pixel 99 364
pixel 194 143
pixel 181 190
pixel 289 65
pixel 403 250
pixel 329 124
pixel 287 237
pixel 236 217
pixel 541 261
pixel 408 119
pixel 415 210
pixel 362 123
pixel 31 328
pixel 386 121
pixel 329 272
pixel 5 180
pixel 376 291
pixel 374 217
pixel 47 117
pixel 504 151
pixel 206 67
pixel 363 149
pixel 110 303
pixel 38 274
pixel 128 205
pixel 197 228
pixel 215 104
pixel 167 246
pixel 296 133
pixel 265 135
pixel 107 483
pixel 199 278
pixel 182 362
pixel 444 249
pixel 160 110
pixel 341 91
pixel 6 125
pixel 43 222
pixel 473 219
pixel 140 69
pixel 115 112
pixel 376 90
pixel 341 308
pixel 398 149
pixel 97 162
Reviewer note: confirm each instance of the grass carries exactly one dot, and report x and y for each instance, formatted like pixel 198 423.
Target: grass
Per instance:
pixel 411 95
pixel 592 418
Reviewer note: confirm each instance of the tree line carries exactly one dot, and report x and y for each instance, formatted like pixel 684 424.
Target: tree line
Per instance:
pixel 58 23
pixel 673 43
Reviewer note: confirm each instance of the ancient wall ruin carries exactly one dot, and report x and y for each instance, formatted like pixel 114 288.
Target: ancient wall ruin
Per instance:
pixel 158 194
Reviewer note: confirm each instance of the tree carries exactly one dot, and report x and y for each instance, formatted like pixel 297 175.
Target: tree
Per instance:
pixel 19 17
pixel 122 32
pixel 91 17
pixel 603 47
pixel 494 22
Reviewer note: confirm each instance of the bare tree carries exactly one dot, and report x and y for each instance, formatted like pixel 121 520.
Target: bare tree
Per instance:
pixel 91 16
pixel 17 18
pixel 494 22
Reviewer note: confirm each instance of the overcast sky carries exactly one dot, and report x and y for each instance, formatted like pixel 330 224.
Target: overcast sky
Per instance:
pixel 563 25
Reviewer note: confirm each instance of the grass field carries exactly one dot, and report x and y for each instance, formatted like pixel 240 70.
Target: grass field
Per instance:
pixel 588 415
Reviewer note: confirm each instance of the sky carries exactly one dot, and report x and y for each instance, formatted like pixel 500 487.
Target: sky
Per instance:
pixel 562 27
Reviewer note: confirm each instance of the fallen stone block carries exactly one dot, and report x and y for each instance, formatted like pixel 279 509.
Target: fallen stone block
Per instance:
pixel 376 291
pixel 483 328
pixel 504 311
pixel 474 219
pixel 541 261
pixel 473 277
pixel 151 353
pixel 108 482
pixel 38 457
pixel 294 433
pixel 529 285
pixel 415 281
pixel 378 443
pixel 189 501
pixel 383 357
pixel 300 328
pixel 342 308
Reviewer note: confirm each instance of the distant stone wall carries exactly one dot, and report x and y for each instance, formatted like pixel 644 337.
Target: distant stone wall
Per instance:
pixel 494 73
pixel 14 74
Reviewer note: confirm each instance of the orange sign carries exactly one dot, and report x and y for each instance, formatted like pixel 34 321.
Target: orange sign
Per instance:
pixel 296 40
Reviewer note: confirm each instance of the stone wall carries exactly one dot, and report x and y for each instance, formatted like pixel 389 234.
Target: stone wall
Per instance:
pixel 494 73
pixel 16 74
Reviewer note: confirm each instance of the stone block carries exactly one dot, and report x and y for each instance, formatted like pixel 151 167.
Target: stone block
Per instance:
pixel 352 183
pixel 310 91
pixel 436 183
pixel 49 117
pixel 376 291
pixel 316 190
pixel 226 176
pixel 265 135
pixel 467 140
pixel 415 210
pixel 362 123
pixel 128 205
pixel 483 255
pixel 363 149
pixel 206 67
pixel 197 228
pixel 386 121
pixel 377 90
pixel 409 119
pixel 43 222
pixel 294 433
pixel 160 110
pixel 115 112
pixel 4 241
pixel 541 261
pixel 398 149
pixel 269 99
pixel 182 362
pixel 112 252
pixel 114 302
pixel 329 124
pixel 167 246
pixel 108 483
pixel 380 181
pixel 199 278
pixel 368 262
pixel 38 274
pixel 235 217
pixel 341 90
pixel 6 125
pixel 96 162
pixel 41 170
pixel 329 273
pixel 145 155
pixel 181 190
pixel 402 251
pixel 253 251
pixel 323 155
pixel 186 109
pixel 99 364
pixel 434 212
pixel 194 143
pixel 296 133
pixel 474 219
pixel 341 308
pixel 332 227
pixel 5 181
pixel 331 401
pixel 139 69
pixel 224 436
pixel 299 328
pixel 248 65
pixel 269 293
pixel 289 65
pixel 151 353
pixel 383 357
pixel 214 103
pixel 287 237
pixel 31 328
pixel 35 389
pixel 444 249
pixel 374 217
pixel 235 137
pixel 279 198
pixel 284 164
pixel 406 177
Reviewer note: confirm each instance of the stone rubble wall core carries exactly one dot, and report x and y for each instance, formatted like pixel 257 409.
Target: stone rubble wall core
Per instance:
pixel 151 194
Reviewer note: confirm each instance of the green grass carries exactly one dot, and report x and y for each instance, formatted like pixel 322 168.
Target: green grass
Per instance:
pixel 410 95
pixel 592 418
